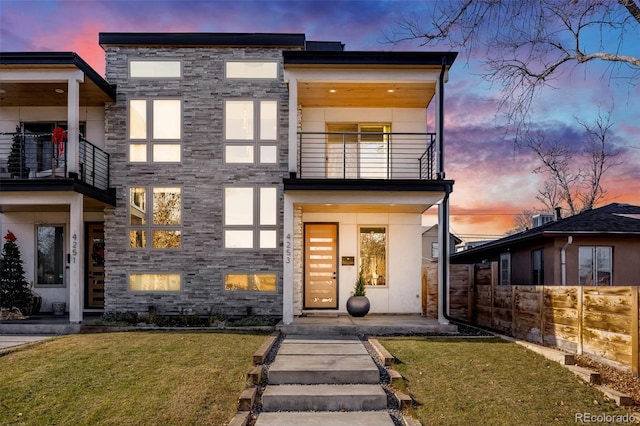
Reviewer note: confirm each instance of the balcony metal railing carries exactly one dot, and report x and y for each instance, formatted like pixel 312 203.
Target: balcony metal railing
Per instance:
pixel 36 156
pixel 366 155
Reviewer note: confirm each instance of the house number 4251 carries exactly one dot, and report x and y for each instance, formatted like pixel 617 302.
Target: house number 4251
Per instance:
pixel 74 247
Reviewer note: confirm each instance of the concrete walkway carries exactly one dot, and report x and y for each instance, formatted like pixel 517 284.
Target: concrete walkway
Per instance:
pixel 12 340
pixel 323 381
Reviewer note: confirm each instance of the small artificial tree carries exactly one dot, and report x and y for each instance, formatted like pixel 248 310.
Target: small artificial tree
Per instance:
pixel 17 160
pixel 14 288
pixel 360 289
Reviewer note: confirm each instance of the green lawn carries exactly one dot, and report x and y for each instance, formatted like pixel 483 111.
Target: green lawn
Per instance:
pixel 135 378
pixel 491 382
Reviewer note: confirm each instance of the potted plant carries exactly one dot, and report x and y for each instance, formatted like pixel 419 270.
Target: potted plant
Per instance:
pixel 358 304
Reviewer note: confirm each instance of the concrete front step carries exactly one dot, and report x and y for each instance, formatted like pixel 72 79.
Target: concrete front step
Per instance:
pixel 324 398
pixel 324 418
pixel 323 369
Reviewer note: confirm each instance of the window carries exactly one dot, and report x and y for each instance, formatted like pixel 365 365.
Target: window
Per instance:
pixel 537 266
pixel 505 269
pixel 154 127
pixel 251 69
pixel 250 127
pixel 50 257
pixel 373 254
pixel 358 151
pixel 155 282
pixel 434 250
pixel 162 223
pixel 595 265
pixel 250 282
pixel 155 69
pixel 250 217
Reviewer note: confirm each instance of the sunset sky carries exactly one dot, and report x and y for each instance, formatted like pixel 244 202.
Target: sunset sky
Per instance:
pixel 494 180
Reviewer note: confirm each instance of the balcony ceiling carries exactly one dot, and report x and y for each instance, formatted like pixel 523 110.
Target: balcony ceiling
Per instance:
pixel 44 93
pixel 372 95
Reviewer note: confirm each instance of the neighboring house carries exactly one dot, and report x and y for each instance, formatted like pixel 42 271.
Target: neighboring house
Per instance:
pixel 596 247
pixel 54 185
pixel 258 173
pixel 430 246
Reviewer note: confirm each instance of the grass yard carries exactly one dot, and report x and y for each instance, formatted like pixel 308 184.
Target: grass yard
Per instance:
pixel 491 382
pixel 137 378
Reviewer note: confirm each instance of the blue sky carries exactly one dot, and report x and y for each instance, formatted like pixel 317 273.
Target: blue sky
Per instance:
pixel 493 180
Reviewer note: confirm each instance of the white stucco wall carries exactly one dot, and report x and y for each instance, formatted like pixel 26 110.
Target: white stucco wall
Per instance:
pixel 403 289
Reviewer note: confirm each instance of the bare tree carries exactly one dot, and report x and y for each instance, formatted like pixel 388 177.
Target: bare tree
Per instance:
pixel 529 44
pixel 574 172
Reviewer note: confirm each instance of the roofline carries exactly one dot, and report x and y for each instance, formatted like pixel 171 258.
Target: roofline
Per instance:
pixel 369 58
pixel 58 58
pixel 202 39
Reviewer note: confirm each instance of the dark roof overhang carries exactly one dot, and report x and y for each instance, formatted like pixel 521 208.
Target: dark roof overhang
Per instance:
pixel 335 58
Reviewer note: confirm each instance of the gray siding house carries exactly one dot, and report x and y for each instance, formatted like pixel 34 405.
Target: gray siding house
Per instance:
pixel 246 174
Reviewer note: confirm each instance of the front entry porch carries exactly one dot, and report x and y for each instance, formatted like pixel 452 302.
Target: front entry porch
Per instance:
pixel 373 325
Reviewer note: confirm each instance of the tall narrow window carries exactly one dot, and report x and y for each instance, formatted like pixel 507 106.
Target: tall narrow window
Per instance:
pixel 250 217
pixel 505 269
pixel 161 224
pixel 251 131
pixel 595 265
pixel 154 128
pixel 537 266
pixel 50 257
pixel 373 254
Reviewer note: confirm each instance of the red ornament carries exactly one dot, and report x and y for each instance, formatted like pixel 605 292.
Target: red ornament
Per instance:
pixel 10 237
pixel 58 138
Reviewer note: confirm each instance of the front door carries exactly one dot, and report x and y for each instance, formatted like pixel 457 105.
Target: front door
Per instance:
pixel 95 266
pixel 320 265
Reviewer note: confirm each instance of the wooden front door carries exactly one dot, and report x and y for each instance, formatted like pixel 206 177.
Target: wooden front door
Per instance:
pixel 95 266
pixel 320 266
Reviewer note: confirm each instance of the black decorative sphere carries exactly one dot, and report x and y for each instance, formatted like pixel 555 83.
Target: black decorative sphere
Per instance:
pixel 358 306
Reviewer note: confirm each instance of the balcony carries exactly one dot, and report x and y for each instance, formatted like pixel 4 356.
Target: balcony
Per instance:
pixel 366 155
pixel 34 156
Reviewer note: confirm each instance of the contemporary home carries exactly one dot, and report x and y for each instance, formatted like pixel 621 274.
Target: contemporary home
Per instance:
pixel 248 174
pixel 596 247
pixel 54 174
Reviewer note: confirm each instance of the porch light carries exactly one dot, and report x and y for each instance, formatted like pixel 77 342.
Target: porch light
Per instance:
pixel 390 90
pixel 61 91
pixel 332 90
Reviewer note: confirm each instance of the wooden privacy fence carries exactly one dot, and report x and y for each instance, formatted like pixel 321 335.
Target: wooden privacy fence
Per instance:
pixel 601 322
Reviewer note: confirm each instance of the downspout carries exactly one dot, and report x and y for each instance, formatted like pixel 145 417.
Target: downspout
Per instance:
pixel 563 260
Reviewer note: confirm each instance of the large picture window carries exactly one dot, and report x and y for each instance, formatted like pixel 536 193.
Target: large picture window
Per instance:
pixel 373 254
pixel 250 217
pixel 155 128
pixel 50 257
pixel 251 131
pixel 157 227
pixel 595 265
pixel 358 151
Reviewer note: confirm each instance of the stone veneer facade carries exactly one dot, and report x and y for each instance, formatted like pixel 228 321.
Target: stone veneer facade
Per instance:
pixel 202 260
